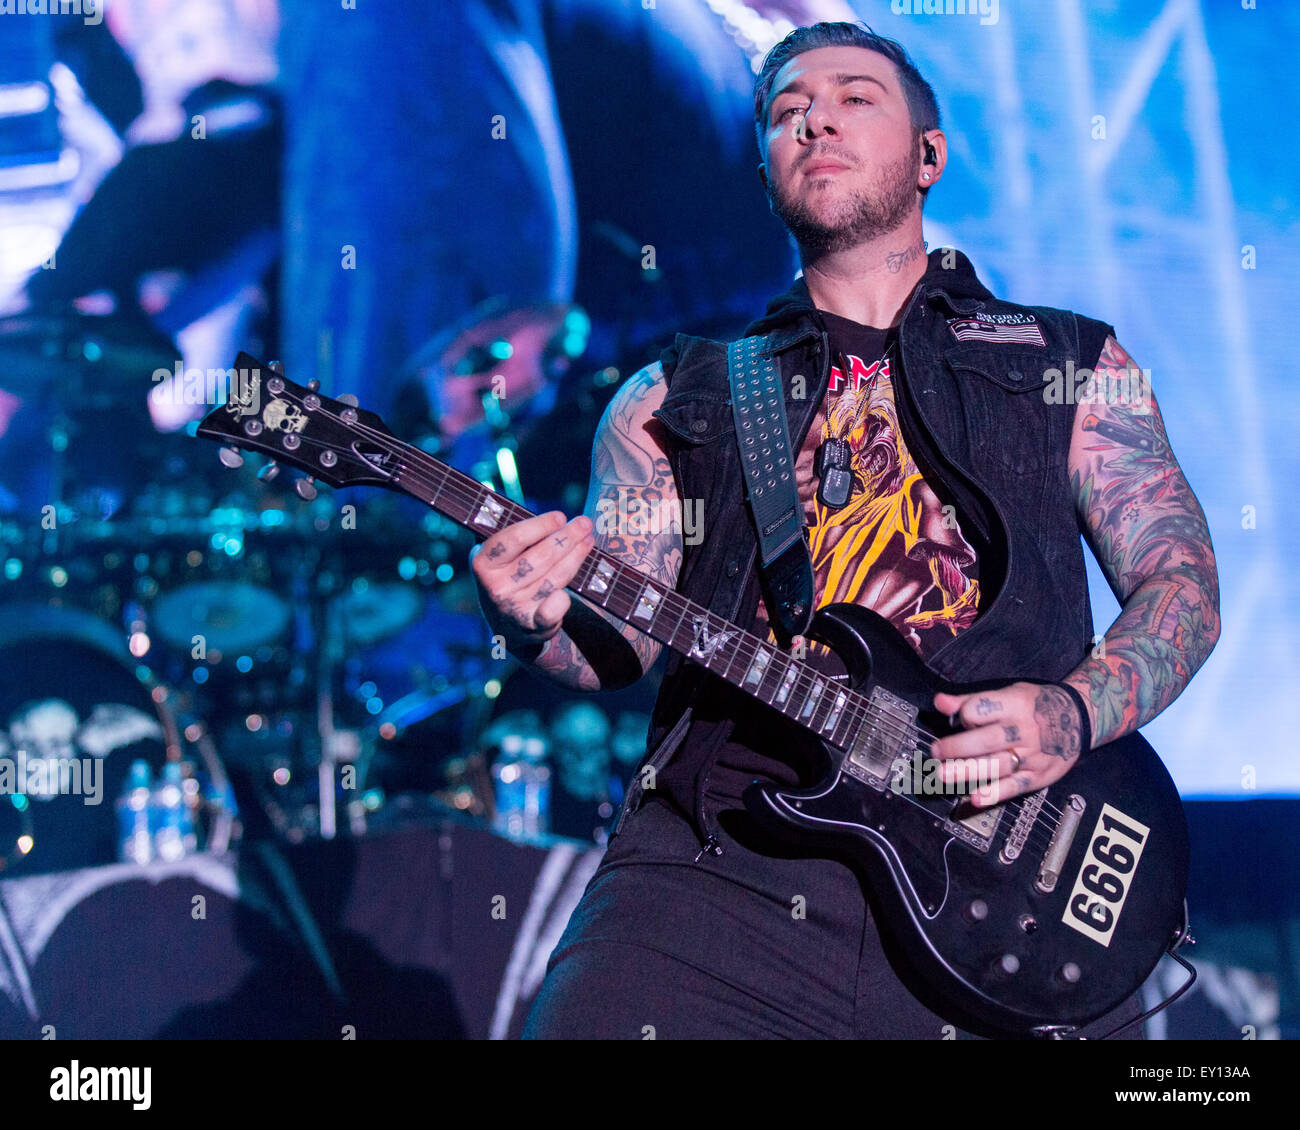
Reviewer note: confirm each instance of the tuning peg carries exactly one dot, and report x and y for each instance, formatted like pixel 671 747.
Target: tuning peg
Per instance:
pixel 306 488
pixel 230 457
pixel 267 473
pixel 313 386
pixel 348 399
pixel 277 367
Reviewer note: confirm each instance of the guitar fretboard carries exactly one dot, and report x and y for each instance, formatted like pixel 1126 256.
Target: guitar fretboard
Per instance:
pixel 789 685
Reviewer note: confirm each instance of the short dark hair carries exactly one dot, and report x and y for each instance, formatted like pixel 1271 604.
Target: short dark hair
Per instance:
pixel 921 103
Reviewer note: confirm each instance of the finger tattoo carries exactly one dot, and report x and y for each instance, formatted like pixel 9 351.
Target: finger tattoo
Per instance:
pixel 496 551
pixel 1011 733
pixel 986 706
pixel 524 569
pixel 544 590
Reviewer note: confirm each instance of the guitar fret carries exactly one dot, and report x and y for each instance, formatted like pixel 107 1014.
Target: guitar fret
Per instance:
pixel 811 696
pixel 837 708
pixel 772 677
pixel 438 482
pixel 732 653
pixel 600 582
pixel 757 669
pixel 681 619
pixel 825 705
pixel 490 512
pixel 646 605
pixel 851 719
pixel 783 691
pixel 713 643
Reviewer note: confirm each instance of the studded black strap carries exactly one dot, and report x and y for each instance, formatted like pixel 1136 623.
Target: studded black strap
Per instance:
pixel 762 435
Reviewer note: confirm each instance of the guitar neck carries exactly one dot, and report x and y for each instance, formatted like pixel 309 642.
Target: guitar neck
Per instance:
pixel 754 666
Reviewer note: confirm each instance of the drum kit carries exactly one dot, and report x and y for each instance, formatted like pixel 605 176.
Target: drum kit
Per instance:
pixel 315 667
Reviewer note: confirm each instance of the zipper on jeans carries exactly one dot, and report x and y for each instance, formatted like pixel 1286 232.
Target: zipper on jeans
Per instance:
pixel 662 753
pixel 710 845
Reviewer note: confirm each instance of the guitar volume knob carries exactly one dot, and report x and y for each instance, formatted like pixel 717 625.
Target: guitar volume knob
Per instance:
pixel 1070 973
pixel 977 910
pixel 1007 965
pixel 230 457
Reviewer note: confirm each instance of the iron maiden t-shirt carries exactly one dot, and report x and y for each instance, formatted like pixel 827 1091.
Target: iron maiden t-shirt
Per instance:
pixel 895 548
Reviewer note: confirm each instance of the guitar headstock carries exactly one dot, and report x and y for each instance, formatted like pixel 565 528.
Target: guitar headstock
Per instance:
pixel 331 440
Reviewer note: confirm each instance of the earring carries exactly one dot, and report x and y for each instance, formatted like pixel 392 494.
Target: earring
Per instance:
pixel 925 176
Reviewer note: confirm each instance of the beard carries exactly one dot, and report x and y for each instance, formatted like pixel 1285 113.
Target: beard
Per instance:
pixel 864 215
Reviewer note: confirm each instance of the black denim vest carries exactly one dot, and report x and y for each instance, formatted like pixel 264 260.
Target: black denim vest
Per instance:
pixel 975 417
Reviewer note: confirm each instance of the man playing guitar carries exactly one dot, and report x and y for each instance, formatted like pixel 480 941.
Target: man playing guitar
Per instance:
pixel 969 477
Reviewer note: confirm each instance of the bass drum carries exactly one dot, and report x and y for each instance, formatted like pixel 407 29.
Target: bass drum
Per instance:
pixel 74 715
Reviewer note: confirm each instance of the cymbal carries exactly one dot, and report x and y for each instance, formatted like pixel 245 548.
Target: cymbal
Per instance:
pixel 377 611
pixel 80 361
pixel 232 616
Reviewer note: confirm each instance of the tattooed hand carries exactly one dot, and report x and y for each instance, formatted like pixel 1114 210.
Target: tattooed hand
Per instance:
pixel 521 573
pixel 1024 736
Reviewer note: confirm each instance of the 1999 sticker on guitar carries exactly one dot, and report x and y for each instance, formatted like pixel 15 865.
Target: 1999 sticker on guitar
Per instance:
pixel 1103 881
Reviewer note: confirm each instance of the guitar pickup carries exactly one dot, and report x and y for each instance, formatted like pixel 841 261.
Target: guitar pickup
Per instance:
pixel 890 735
pixel 978 828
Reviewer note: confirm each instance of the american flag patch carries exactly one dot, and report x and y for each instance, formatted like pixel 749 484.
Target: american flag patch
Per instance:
pixel 979 329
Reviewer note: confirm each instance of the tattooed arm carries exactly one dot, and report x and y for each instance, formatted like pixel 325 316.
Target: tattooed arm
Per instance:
pixel 1150 537
pixel 523 570
pixel 1149 534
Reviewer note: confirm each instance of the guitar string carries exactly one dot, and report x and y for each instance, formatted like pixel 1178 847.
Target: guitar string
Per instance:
pixel 630 590
pixel 858 711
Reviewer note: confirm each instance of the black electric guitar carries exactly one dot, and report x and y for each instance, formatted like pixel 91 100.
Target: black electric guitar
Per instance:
pixel 1033 917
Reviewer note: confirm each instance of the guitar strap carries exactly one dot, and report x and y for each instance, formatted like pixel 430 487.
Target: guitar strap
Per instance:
pixel 762 436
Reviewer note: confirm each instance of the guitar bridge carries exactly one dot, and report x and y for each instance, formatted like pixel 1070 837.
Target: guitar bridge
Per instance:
pixel 1018 837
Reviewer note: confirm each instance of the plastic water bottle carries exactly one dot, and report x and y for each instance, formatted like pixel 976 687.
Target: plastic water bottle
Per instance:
pixel 522 787
pixel 174 833
pixel 134 842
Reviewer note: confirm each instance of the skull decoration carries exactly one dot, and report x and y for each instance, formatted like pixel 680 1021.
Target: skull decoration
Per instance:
pixel 46 728
pixel 282 416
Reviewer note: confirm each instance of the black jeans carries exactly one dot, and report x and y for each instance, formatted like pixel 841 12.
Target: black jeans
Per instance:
pixel 755 943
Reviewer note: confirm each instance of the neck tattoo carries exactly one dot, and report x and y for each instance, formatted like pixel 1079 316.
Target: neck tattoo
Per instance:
pixel 895 261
